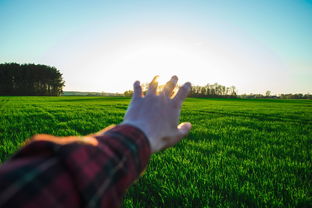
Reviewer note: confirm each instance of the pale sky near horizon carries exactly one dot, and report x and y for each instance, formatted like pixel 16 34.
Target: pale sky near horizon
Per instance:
pixel 107 45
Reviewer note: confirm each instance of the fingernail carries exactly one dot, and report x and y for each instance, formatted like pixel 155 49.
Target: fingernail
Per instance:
pixel 174 78
pixel 188 85
pixel 136 83
pixel 185 127
pixel 155 78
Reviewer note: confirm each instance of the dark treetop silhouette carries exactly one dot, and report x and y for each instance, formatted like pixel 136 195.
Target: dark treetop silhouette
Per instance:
pixel 30 79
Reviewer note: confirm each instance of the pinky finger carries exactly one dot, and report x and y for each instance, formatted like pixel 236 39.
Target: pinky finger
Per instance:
pixel 182 93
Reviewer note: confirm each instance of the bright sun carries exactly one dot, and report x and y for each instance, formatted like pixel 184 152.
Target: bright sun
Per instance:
pixel 113 63
pixel 159 58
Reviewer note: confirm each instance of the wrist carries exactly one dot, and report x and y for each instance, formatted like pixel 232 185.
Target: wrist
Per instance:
pixel 141 126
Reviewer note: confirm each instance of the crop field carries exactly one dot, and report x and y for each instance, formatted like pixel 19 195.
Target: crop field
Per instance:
pixel 240 153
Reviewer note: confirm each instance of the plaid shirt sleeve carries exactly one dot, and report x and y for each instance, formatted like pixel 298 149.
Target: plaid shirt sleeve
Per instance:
pixel 92 171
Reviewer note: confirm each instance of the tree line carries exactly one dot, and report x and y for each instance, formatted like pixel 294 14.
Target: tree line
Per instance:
pixel 213 91
pixel 210 91
pixel 281 96
pixel 30 79
pixel 219 91
pixel 36 79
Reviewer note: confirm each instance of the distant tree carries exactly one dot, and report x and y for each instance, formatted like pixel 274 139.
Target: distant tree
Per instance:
pixel 232 91
pixel 128 93
pixel 30 79
pixel 268 93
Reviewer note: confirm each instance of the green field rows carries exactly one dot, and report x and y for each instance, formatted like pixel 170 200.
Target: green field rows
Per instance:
pixel 240 153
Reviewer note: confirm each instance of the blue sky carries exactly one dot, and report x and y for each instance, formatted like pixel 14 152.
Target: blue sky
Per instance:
pixel 107 45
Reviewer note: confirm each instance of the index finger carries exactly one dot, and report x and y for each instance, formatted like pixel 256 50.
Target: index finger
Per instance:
pixel 182 93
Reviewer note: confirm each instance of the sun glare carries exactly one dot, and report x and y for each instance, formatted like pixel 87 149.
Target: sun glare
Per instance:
pixel 162 58
pixel 113 63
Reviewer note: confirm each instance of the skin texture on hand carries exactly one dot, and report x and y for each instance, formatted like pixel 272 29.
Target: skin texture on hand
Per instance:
pixel 157 114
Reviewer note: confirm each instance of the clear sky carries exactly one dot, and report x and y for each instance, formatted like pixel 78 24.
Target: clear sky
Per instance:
pixel 107 45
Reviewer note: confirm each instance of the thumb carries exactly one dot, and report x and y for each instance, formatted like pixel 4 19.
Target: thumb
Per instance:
pixel 183 129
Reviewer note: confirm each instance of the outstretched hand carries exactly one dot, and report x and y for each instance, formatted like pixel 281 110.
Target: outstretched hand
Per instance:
pixel 157 114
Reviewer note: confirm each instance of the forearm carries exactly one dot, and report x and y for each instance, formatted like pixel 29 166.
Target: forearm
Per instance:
pixel 122 154
pixel 76 173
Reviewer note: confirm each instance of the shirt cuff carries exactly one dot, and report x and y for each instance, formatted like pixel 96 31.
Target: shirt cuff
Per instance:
pixel 134 139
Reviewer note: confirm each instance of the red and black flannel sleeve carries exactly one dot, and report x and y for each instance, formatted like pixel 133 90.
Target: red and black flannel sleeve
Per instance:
pixel 76 174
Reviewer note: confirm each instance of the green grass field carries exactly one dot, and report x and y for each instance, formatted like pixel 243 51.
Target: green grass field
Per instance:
pixel 240 153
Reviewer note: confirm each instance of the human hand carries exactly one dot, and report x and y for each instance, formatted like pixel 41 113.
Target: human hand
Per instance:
pixel 157 115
